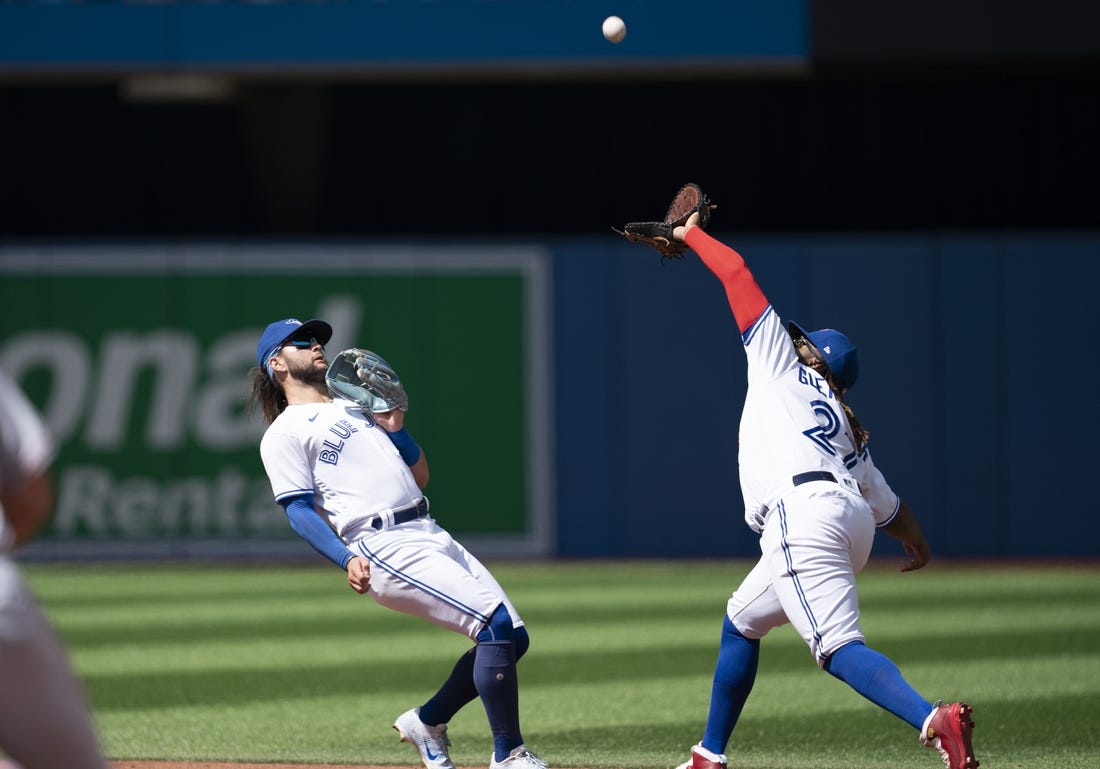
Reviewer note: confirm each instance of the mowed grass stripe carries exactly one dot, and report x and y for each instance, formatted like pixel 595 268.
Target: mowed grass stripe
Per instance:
pixel 206 662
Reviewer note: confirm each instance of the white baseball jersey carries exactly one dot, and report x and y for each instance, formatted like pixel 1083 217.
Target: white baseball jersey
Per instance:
pixel 792 423
pixel 815 536
pixel 338 453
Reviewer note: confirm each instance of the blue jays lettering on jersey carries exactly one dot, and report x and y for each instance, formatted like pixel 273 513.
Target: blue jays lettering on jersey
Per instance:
pixel 342 430
pixel 336 451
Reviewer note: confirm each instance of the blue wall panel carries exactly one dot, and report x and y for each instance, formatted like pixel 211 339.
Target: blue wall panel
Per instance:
pixel 974 385
pixel 584 386
pixel 1048 371
pixel 971 442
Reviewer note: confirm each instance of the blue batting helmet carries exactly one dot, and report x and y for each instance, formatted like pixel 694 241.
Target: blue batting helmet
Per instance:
pixel 838 350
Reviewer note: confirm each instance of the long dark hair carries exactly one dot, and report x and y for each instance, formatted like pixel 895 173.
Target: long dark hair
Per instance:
pixel 266 395
pixel 859 432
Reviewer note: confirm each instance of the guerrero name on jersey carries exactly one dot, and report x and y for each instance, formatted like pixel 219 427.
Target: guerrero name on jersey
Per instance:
pixel 796 395
pixel 785 392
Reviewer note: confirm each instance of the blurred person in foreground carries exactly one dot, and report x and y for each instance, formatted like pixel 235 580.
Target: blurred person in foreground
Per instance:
pixel 44 718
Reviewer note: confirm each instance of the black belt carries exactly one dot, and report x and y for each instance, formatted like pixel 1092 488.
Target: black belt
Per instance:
pixel 418 510
pixel 816 475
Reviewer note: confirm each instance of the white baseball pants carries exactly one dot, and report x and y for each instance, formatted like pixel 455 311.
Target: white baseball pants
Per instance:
pixel 815 541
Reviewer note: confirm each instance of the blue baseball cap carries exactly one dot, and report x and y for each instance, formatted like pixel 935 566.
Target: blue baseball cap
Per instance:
pixel 278 332
pixel 838 350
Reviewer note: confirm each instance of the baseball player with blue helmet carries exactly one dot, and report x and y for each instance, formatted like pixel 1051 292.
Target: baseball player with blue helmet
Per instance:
pixel 350 477
pixel 813 493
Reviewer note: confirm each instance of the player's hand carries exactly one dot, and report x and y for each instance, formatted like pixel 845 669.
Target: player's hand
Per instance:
pixel 680 233
pixel 390 421
pixel 905 529
pixel 359 575
pixel 919 554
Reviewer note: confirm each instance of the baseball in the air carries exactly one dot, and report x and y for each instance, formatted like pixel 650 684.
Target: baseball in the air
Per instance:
pixel 614 29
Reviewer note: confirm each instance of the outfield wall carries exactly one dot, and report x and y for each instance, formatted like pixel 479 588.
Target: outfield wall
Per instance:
pixel 576 397
pixel 976 372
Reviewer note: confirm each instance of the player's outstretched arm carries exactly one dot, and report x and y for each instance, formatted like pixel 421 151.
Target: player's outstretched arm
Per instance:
pixel 745 297
pixel 905 528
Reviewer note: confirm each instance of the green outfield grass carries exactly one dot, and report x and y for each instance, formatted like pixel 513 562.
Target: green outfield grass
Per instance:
pixel 288 664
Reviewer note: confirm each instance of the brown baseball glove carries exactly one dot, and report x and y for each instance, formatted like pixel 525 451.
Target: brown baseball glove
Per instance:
pixel 687 201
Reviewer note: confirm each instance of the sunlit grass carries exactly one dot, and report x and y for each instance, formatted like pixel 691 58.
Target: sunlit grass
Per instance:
pixel 208 662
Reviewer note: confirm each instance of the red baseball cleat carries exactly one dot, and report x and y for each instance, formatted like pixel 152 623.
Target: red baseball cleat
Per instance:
pixel 701 758
pixel 947 729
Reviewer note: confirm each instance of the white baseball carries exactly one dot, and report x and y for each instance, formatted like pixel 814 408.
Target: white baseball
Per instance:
pixel 614 29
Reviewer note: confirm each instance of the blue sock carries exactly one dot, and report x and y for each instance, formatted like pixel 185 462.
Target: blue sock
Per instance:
pixel 878 679
pixel 734 676
pixel 494 676
pixel 456 692
pixel 459 689
pixel 495 679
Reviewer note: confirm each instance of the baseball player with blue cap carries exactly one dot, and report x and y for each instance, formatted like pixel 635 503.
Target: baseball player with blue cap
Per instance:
pixel 815 497
pixel 350 477
pixel 290 331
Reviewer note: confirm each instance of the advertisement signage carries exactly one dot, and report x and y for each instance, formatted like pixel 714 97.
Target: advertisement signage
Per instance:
pixel 139 359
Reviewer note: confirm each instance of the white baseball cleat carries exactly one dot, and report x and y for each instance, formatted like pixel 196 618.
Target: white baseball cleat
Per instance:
pixel 519 758
pixel 431 742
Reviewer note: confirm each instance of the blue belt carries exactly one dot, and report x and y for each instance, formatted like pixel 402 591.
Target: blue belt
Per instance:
pixel 816 475
pixel 418 510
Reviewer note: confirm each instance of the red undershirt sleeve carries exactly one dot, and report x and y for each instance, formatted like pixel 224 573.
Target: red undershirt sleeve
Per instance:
pixel 745 297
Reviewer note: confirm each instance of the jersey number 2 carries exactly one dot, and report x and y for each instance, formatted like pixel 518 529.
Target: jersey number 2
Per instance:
pixel 827 429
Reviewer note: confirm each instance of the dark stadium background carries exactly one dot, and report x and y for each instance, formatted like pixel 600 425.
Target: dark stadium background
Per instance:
pixel 912 115
pixel 915 118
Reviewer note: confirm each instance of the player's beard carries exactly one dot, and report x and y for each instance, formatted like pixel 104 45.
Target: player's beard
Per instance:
pixel 310 373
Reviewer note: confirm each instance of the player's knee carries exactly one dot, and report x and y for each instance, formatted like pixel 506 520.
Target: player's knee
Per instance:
pixel 522 641
pixel 730 630
pixel 499 627
pixel 836 663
